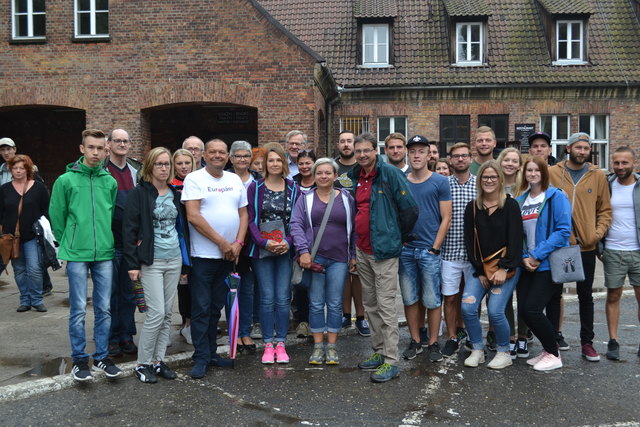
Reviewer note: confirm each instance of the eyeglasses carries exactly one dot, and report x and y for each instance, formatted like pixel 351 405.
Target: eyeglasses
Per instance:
pixel 121 141
pixel 460 156
pixel 365 151
pixel 194 149
pixel 243 157
pixel 487 178
pixel 162 165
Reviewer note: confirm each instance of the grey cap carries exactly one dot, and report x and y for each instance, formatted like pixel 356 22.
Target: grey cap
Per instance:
pixel 7 141
pixel 580 136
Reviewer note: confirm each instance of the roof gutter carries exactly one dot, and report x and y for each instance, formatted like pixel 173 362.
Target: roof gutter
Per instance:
pixel 510 86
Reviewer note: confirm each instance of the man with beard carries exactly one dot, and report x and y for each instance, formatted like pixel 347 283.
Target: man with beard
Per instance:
pixel 621 256
pixel 434 155
pixel 353 288
pixel 588 190
pixel 485 144
pixel 395 147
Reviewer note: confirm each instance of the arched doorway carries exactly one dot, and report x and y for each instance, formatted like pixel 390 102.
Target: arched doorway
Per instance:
pixel 169 125
pixel 50 135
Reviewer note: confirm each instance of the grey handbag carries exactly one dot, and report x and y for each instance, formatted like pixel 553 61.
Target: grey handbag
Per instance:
pixel 297 271
pixel 566 262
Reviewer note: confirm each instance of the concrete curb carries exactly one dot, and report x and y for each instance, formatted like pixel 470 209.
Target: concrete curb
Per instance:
pixel 42 386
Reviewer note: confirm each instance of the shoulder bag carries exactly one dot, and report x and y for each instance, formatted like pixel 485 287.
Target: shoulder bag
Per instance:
pixel 297 271
pixel 566 262
pixel 10 243
pixel 274 230
pixel 490 263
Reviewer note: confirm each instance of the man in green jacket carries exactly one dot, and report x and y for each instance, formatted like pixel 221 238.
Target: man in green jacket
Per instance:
pixel 81 209
pixel 385 215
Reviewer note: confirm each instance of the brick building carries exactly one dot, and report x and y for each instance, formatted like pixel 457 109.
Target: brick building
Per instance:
pixel 162 69
pixel 441 68
pixel 254 69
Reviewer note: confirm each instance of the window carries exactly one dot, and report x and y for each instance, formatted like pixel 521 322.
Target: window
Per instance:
pixel 597 126
pixel 92 18
pixel 557 126
pixel 469 40
pixel 453 129
pixel 569 42
pixel 375 45
pixel 389 125
pixel 355 124
pixel 28 19
pixel 500 125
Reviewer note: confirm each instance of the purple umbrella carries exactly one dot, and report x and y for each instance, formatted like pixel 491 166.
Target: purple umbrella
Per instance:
pixel 233 281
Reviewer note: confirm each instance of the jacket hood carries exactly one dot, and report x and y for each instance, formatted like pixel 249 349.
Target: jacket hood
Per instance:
pixel 563 164
pixel 79 167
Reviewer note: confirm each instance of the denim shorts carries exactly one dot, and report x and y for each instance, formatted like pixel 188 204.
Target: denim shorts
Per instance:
pixel 420 277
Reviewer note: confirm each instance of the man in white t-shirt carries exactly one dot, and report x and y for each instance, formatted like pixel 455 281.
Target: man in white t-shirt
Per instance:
pixel 621 256
pixel 216 203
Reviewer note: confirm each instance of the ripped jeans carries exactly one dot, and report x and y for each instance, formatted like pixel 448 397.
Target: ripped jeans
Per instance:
pixel 473 294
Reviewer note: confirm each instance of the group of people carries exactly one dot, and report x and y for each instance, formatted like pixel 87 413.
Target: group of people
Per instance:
pixel 354 226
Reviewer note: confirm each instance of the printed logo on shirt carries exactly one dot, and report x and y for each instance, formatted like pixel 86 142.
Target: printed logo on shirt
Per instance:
pixel 531 211
pixel 219 189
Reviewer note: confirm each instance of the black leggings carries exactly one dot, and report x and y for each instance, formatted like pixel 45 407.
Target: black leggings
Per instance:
pixel 534 291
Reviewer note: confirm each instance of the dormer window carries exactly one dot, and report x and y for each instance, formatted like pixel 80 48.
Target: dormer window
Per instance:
pixel 570 42
pixel 375 45
pixel 469 43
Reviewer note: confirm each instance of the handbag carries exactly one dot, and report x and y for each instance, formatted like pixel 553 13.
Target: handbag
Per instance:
pixel 10 243
pixel 297 271
pixel 490 263
pixel 566 262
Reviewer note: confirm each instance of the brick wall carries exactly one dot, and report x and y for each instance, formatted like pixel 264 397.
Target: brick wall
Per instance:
pixel 164 52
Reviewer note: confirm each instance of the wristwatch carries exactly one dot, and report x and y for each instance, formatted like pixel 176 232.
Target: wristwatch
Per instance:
pixel 435 251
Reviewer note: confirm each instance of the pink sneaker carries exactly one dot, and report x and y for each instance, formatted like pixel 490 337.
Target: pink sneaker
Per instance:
pixel 269 354
pixel 536 359
pixel 548 363
pixel 281 353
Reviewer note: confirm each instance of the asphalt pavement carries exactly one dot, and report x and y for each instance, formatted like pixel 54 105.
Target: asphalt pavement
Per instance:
pixel 34 351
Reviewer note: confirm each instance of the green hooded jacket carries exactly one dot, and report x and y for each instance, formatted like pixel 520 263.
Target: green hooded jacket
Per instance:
pixel 81 209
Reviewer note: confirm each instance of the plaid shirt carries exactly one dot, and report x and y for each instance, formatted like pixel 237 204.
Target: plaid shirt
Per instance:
pixel 454 248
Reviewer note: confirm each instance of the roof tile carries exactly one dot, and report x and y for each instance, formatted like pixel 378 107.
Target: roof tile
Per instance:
pixel 467 8
pixel 375 9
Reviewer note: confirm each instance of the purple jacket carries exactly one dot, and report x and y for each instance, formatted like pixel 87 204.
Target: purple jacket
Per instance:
pixel 302 230
pixel 255 197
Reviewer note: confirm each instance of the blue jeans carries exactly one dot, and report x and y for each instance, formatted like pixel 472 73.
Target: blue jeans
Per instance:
pixel 326 288
pixel 101 276
pixel 246 296
pixel 473 294
pixel 123 303
pixel 208 296
pixel 27 270
pixel 274 274
pixel 419 273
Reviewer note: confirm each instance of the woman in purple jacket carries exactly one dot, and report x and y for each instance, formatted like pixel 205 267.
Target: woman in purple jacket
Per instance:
pixel 335 255
pixel 271 205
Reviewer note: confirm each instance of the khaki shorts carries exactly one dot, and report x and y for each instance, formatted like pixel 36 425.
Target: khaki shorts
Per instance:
pixel 618 265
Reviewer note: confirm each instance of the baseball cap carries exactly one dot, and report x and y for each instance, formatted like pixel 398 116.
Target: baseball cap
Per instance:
pixel 542 135
pixel 418 139
pixel 580 136
pixel 7 141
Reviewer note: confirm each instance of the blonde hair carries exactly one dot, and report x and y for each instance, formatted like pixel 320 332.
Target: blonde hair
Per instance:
pixel 186 153
pixel 518 183
pixel 275 148
pixel 152 156
pixel 502 195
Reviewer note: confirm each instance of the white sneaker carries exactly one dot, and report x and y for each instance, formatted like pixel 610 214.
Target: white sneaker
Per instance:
pixel 548 363
pixel 186 333
pixel 536 359
pixel 502 360
pixel 476 358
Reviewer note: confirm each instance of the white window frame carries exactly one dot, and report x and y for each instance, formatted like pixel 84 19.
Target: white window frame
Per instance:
pixel 604 143
pixel 557 145
pixel 570 40
pixel 469 61
pixel 92 13
pixel 392 129
pixel 375 61
pixel 30 14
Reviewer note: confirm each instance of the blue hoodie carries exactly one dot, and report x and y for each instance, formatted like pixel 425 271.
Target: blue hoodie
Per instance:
pixel 548 241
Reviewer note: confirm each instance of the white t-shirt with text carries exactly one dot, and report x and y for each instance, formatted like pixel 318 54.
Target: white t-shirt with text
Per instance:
pixel 220 199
